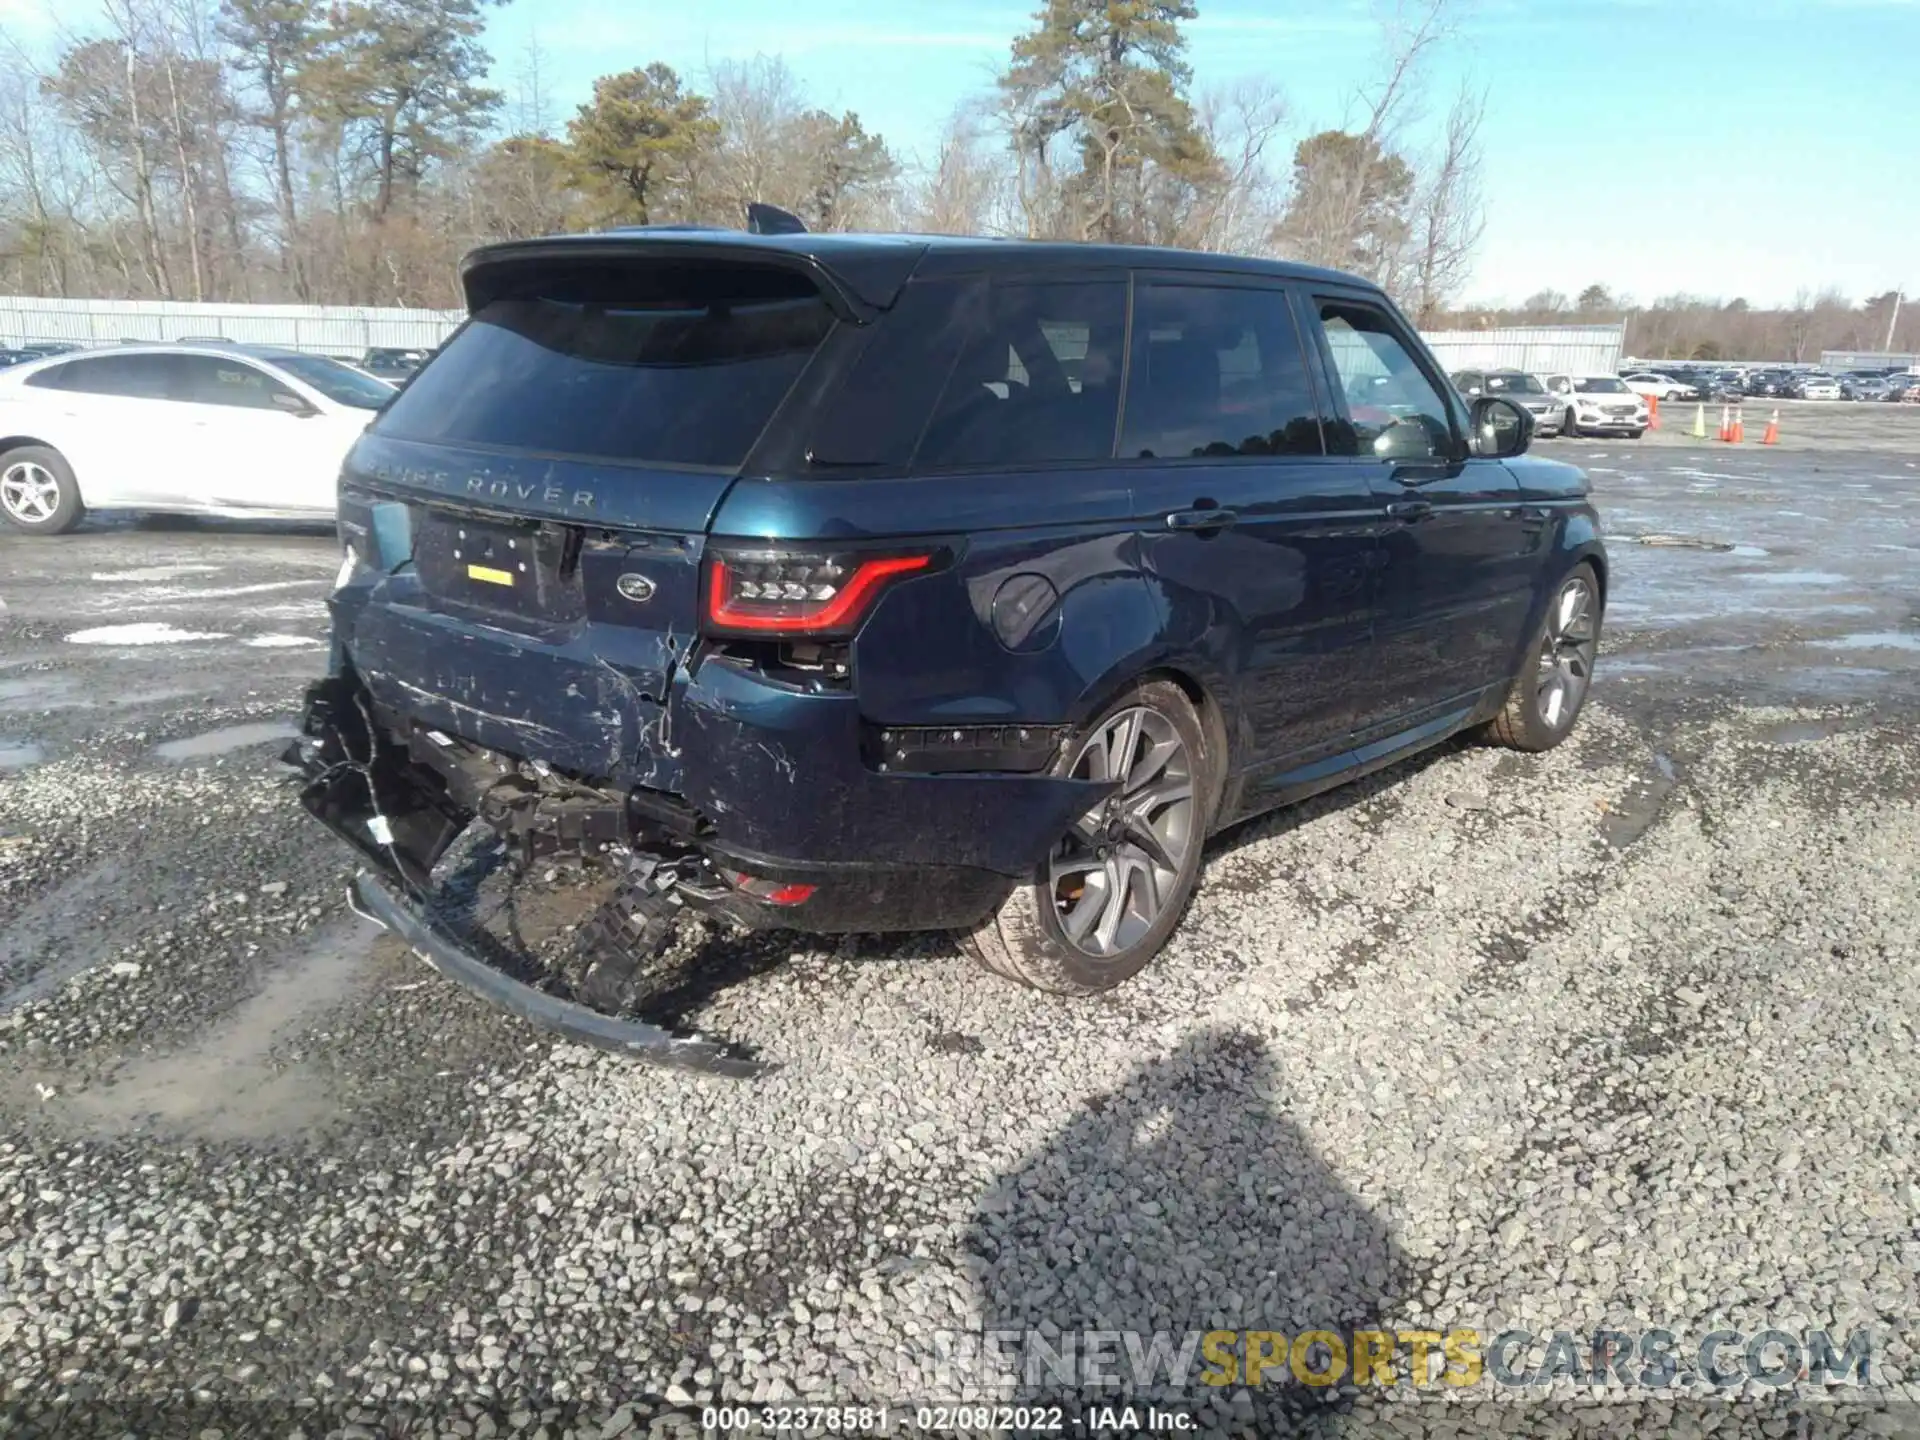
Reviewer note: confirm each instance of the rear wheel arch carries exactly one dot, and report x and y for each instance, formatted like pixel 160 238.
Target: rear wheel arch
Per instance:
pixel 1213 716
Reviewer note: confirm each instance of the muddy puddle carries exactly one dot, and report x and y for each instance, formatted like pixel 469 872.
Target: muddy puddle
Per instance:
pixel 227 1084
pixel 1631 816
pixel 225 740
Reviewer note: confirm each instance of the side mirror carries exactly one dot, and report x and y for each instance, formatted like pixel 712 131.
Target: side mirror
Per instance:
pixel 1501 428
pixel 293 405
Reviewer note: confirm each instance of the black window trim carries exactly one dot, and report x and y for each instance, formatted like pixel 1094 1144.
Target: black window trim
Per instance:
pixel 1417 351
pixel 1221 280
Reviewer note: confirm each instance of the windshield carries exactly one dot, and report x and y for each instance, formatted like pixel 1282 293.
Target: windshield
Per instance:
pixel 341 384
pixel 1601 385
pixel 1514 385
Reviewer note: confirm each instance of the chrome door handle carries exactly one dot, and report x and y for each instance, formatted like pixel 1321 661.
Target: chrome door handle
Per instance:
pixel 1208 517
pixel 1410 510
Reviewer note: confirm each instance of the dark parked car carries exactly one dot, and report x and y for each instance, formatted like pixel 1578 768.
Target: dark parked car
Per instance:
pixel 1518 386
pixel 1903 387
pixel 1864 386
pixel 832 583
pixel 392 364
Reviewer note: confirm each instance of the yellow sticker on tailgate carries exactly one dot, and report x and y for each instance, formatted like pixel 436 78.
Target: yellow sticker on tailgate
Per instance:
pixel 492 577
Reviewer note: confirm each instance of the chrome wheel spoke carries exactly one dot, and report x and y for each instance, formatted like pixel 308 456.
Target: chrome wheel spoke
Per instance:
pixel 1144 839
pixel 1145 803
pixel 1115 908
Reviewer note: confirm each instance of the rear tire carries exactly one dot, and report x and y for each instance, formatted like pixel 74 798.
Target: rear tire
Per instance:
pixel 1546 696
pixel 38 493
pixel 1104 901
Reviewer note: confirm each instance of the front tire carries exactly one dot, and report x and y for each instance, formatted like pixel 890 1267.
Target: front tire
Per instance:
pixel 38 493
pixel 1635 434
pixel 1567 426
pixel 1552 685
pixel 1105 899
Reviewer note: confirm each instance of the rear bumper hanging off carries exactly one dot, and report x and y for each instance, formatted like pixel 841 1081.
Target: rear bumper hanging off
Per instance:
pixel 633 1039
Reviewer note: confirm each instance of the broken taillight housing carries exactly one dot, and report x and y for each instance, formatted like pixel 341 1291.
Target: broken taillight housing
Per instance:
pixel 774 892
pixel 792 591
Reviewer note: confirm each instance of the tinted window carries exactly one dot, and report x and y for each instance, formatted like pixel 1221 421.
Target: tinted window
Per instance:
pixel 662 363
pixel 1036 380
pixel 1601 385
pixel 879 411
pixel 1217 371
pixel 341 384
pixel 1392 409
pixel 211 380
pixel 140 377
pixel 1514 385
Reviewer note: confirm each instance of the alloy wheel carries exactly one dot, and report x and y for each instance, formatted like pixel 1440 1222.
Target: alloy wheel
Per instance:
pixel 29 492
pixel 1114 874
pixel 1566 653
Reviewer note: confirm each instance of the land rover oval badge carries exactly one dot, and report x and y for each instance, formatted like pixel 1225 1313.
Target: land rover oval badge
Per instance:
pixel 637 588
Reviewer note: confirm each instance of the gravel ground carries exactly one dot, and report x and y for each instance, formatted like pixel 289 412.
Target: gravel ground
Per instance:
pixel 1618 1036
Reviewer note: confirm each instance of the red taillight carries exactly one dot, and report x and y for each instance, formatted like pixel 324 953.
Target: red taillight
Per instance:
pixel 793 592
pixel 774 892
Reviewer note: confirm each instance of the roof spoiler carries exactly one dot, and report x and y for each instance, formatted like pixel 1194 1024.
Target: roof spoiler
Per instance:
pixel 761 220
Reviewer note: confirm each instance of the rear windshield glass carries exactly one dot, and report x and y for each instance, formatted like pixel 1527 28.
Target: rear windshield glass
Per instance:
pixel 663 365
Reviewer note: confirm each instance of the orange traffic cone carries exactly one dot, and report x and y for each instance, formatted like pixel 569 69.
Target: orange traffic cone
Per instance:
pixel 1772 437
pixel 1739 426
pixel 1653 412
pixel 1726 423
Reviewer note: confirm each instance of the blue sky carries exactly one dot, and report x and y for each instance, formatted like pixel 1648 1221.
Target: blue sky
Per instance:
pixel 1723 147
pixel 1719 147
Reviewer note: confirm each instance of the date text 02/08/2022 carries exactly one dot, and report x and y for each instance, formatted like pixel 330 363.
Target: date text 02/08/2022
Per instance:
pixel 940 1419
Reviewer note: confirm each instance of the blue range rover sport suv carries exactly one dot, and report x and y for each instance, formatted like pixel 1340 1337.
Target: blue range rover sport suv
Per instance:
pixel 859 583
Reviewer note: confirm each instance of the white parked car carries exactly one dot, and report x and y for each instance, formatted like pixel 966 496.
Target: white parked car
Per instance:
pixel 1817 387
pixel 1598 405
pixel 1662 387
pixel 188 429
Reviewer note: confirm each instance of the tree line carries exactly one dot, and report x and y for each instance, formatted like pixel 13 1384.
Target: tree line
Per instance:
pixel 349 151
pixel 1693 327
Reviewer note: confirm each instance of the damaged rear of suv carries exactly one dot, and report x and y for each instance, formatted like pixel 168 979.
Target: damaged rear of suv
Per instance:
pixel 798 577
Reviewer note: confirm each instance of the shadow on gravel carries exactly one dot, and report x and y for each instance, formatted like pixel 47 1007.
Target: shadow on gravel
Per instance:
pixel 1180 1203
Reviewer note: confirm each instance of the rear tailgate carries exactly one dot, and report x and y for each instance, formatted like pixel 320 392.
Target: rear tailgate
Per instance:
pixel 558 464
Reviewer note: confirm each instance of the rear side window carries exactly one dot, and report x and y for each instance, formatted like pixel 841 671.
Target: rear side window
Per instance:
pixel 137 377
pixel 208 381
pixel 1217 371
pixel 679 365
pixel 1036 380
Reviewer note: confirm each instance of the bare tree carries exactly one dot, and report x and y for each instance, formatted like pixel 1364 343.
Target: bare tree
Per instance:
pixel 1242 124
pixel 961 191
pixel 1449 213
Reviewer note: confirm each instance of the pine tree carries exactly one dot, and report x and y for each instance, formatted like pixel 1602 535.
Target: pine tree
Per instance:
pixel 1109 78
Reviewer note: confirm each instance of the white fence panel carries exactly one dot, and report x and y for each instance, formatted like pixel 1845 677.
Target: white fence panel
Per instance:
pixel 325 329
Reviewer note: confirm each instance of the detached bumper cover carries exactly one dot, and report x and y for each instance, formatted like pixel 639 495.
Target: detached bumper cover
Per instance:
pixel 633 1039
